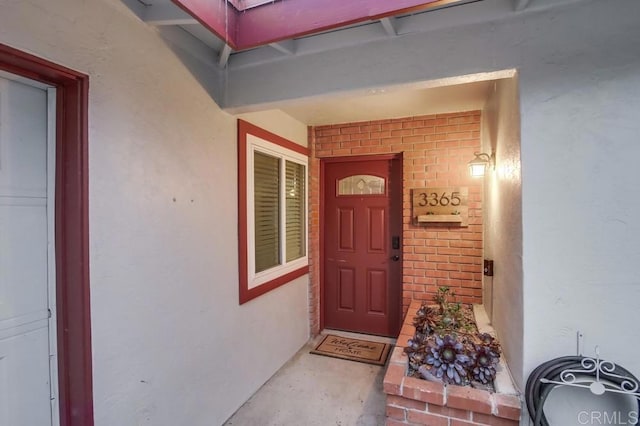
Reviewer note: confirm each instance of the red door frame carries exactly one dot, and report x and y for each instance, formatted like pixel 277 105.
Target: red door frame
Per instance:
pixel 71 230
pixel 323 163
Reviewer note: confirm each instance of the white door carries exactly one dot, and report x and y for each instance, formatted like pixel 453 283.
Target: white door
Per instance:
pixel 27 331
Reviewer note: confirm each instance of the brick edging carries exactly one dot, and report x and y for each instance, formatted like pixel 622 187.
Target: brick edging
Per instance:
pixel 415 401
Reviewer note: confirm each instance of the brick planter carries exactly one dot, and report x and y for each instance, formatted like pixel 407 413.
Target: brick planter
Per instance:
pixel 412 401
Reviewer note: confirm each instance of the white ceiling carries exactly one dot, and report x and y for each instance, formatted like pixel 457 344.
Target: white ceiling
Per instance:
pixel 390 103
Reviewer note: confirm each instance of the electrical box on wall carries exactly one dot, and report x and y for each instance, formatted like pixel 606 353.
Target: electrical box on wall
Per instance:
pixel 488 268
pixel 446 205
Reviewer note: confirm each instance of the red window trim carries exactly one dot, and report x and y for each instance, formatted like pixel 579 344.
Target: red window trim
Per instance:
pixel 71 228
pixel 246 294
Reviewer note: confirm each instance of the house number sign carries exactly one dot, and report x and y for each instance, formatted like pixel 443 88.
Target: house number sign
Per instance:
pixel 434 199
pixel 446 205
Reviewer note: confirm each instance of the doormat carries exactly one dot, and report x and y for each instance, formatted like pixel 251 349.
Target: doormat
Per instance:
pixel 353 349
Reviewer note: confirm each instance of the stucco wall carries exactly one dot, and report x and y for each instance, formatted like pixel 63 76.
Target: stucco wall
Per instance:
pixel 580 192
pixel 171 345
pixel 579 74
pixel 503 225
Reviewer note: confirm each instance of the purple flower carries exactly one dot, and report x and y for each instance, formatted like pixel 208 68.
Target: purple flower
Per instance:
pixel 483 364
pixel 448 359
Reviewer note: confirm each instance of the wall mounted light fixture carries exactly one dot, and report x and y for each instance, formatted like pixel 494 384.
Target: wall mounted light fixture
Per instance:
pixel 478 166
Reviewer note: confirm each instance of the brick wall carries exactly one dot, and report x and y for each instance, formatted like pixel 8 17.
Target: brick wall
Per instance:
pixel 436 150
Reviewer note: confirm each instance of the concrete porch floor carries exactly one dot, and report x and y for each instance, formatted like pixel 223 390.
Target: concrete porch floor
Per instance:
pixel 318 390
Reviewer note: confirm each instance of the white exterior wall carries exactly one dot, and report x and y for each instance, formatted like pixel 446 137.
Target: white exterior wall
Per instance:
pixel 171 345
pixel 581 196
pixel 579 74
pixel 502 208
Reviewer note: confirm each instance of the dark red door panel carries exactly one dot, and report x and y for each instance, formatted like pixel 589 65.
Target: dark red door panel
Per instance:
pixel 362 288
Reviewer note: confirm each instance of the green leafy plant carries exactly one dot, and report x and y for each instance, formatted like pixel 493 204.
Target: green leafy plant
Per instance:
pixel 452 314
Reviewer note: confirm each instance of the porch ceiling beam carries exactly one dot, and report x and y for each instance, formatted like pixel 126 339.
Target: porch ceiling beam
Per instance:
pixel 288 47
pixel 166 14
pixel 288 19
pixel 223 58
pixel 218 16
pixel 389 26
pixel 520 4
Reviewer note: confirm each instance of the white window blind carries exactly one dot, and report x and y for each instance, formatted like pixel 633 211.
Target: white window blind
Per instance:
pixel 267 211
pixel 295 210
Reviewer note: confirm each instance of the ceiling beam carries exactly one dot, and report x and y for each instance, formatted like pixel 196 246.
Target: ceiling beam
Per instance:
pixel 223 58
pixel 288 47
pixel 218 16
pixel 166 14
pixel 520 5
pixel 389 25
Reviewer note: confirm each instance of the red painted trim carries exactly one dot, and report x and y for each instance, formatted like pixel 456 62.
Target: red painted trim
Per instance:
pixel 283 20
pixel 321 227
pixel 242 212
pixel 218 16
pixel 245 293
pixel 247 127
pixel 396 191
pixel 289 19
pixel 72 230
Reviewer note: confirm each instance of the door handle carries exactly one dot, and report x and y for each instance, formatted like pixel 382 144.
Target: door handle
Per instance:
pixel 395 257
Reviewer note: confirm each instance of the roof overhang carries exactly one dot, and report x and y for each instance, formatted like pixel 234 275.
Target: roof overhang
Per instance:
pixel 283 20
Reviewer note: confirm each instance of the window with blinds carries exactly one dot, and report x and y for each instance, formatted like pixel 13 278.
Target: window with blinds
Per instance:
pixel 272 207
pixel 266 177
pixel 295 210
pixel 279 209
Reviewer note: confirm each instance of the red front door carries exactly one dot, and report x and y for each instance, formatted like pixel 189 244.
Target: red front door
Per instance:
pixel 362 245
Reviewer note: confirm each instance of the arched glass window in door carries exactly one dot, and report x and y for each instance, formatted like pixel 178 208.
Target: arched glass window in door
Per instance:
pixel 361 185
